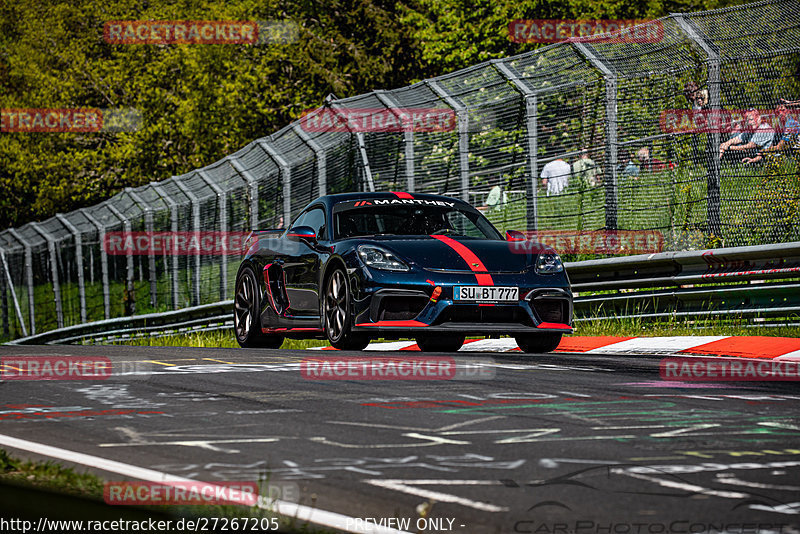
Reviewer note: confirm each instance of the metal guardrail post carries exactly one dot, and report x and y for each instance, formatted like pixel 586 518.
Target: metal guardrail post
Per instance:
pixel 694 33
pixel 4 293
pixel 612 192
pixel 369 183
pixel 51 249
pixel 222 202
pixel 101 231
pixel 196 224
pixel 17 309
pixel 531 114
pixel 252 183
pixel 78 260
pixel 319 153
pixel 173 217
pixel 408 136
pixel 463 134
pixel 286 179
pixel 151 255
pixel 126 224
pixel 28 277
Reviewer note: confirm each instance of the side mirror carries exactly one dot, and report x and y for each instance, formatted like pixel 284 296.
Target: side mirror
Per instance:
pixel 514 235
pixel 302 233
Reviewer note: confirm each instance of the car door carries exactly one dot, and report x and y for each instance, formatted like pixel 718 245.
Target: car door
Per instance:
pixel 302 266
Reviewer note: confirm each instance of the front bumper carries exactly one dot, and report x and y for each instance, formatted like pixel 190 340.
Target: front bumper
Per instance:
pixel 402 303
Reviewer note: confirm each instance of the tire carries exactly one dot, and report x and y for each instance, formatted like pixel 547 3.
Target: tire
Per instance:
pixel 538 343
pixel 336 321
pixel 247 313
pixel 445 343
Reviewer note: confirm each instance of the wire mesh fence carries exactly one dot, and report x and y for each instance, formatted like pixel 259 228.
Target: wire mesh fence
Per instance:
pixel 612 124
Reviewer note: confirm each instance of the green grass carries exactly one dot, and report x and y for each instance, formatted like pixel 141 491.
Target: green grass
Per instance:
pixel 212 339
pixel 56 480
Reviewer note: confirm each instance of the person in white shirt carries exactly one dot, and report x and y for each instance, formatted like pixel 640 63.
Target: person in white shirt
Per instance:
pixel 555 176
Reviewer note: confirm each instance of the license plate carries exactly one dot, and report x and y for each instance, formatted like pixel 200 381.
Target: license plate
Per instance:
pixel 485 294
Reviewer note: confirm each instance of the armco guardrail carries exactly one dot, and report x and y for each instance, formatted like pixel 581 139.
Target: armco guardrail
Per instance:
pixel 720 282
pixel 206 317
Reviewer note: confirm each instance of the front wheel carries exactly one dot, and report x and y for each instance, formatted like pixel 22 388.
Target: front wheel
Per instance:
pixel 336 315
pixel 247 311
pixel 538 343
pixel 440 343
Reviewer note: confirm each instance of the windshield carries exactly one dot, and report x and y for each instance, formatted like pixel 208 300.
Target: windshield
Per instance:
pixel 355 221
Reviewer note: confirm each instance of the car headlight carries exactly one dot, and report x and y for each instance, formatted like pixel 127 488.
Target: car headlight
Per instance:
pixel 380 258
pixel 549 263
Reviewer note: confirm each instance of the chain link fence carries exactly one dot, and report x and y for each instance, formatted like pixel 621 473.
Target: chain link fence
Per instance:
pixel 597 104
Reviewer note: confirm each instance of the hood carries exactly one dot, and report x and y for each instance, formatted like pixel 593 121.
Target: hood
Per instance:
pixel 457 254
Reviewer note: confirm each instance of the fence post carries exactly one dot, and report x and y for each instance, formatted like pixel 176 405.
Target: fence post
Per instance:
pixel 252 183
pixel 151 257
pixel 408 136
pixel 101 232
pixel 222 203
pixel 319 153
pixel 286 180
pixel 714 72
pixel 196 224
pixel 51 249
pixel 463 134
pixel 4 293
pixel 612 193
pixel 362 148
pixel 126 224
pixel 28 276
pixel 13 294
pixel 531 116
pixel 78 260
pixel 173 217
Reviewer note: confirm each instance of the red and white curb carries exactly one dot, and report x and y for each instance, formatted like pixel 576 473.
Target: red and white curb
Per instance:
pixel 774 348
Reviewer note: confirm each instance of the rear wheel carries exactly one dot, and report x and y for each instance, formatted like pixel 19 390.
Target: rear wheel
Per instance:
pixel 336 315
pixel 538 343
pixel 440 343
pixel 247 313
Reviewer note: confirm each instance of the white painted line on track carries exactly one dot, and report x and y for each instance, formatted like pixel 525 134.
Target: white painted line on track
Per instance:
pixel 285 508
pixel 656 345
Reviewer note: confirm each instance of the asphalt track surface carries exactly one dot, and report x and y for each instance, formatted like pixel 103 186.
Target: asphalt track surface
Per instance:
pixel 551 444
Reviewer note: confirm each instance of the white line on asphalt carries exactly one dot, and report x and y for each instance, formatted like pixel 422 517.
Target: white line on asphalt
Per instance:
pixel 285 508
pixel 404 486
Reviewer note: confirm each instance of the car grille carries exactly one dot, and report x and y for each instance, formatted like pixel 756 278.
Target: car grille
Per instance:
pixel 551 310
pixel 460 313
pixel 400 308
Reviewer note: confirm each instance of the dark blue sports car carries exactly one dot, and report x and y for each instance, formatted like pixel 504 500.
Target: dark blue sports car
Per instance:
pixel 358 266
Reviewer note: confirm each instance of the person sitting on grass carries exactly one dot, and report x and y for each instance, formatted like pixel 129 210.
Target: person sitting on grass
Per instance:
pixel 788 137
pixel 756 137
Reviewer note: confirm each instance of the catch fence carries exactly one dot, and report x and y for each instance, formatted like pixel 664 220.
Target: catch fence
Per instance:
pixel 607 101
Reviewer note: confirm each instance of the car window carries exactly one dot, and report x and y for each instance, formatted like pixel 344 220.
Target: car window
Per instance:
pixel 411 220
pixel 315 218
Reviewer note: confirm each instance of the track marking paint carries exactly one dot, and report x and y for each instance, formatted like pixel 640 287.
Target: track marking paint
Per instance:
pixel 289 509
pixel 218 361
pixel 160 363
pixel 405 486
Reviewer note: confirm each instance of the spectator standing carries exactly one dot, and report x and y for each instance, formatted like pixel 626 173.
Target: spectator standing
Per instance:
pixel 585 169
pixel 555 176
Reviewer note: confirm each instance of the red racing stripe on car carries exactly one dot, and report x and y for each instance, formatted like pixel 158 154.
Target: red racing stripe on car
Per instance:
pixel 402 194
pixel 474 262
